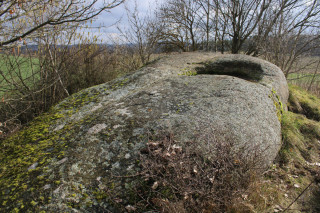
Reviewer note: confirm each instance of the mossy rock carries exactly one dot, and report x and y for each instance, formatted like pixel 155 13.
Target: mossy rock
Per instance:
pixel 83 155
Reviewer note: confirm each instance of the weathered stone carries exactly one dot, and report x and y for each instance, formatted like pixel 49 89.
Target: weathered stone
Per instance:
pixel 251 69
pixel 101 130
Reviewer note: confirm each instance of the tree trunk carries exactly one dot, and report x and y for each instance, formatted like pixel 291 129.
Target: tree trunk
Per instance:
pixel 235 48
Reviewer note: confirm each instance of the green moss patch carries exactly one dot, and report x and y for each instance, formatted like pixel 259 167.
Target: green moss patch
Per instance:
pixel 30 158
pixel 277 103
pixel 300 137
pixel 300 129
pixel 80 99
pixel 302 102
pixel 23 160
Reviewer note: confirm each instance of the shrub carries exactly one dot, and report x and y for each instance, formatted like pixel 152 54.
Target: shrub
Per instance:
pixel 51 74
pixel 196 177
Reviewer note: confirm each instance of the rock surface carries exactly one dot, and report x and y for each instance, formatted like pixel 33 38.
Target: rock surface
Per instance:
pixel 71 158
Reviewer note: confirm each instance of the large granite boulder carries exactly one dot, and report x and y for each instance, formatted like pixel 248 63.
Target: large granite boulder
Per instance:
pixel 71 158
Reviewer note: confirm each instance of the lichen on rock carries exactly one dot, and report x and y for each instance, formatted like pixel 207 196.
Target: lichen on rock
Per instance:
pixel 84 153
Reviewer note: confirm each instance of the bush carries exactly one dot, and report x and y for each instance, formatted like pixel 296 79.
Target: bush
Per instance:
pixel 53 73
pixel 196 177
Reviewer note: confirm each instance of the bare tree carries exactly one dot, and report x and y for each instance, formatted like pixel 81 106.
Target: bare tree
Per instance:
pixel 295 34
pixel 141 35
pixel 243 17
pixel 20 19
pixel 34 78
pixel 205 20
pixel 180 23
pixel 241 25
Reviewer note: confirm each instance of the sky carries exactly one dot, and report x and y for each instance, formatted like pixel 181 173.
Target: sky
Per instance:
pixel 117 17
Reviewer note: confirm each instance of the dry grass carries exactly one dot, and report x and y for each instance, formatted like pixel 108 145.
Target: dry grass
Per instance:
pixel 306 74
pixel 291 184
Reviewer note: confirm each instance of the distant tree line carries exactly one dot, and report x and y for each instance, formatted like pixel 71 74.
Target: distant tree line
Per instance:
pixel 281 31
pixel 209 24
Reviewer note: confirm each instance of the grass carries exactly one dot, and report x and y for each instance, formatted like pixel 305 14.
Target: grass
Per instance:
pixel 296 164
pixel 17 69
pixel 307 81
pixel 304 64
pixel 302 77
pixel 25 64
pixel 306 74
pixel 304 103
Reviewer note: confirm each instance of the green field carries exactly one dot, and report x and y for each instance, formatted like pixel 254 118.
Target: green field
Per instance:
pixel 302 76
pixel 17 70
pixel 307 81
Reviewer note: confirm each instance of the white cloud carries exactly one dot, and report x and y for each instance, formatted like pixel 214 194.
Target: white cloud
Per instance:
pixel 117 17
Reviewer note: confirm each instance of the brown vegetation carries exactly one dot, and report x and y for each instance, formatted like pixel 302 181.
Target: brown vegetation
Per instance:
pixel 203 176
pixel 27 91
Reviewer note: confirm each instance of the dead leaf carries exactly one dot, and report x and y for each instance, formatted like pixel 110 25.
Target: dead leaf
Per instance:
pixel 130 208
pixel 155 185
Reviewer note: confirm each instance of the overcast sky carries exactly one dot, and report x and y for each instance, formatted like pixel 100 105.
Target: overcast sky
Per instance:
pixel 110 20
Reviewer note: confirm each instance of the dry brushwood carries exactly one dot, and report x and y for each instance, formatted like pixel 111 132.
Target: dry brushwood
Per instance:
pixel 193 177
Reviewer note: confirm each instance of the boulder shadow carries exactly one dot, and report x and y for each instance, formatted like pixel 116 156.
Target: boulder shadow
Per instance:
pixel 242 69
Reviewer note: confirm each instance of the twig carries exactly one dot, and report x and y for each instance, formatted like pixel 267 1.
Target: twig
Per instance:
pixel 298 196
